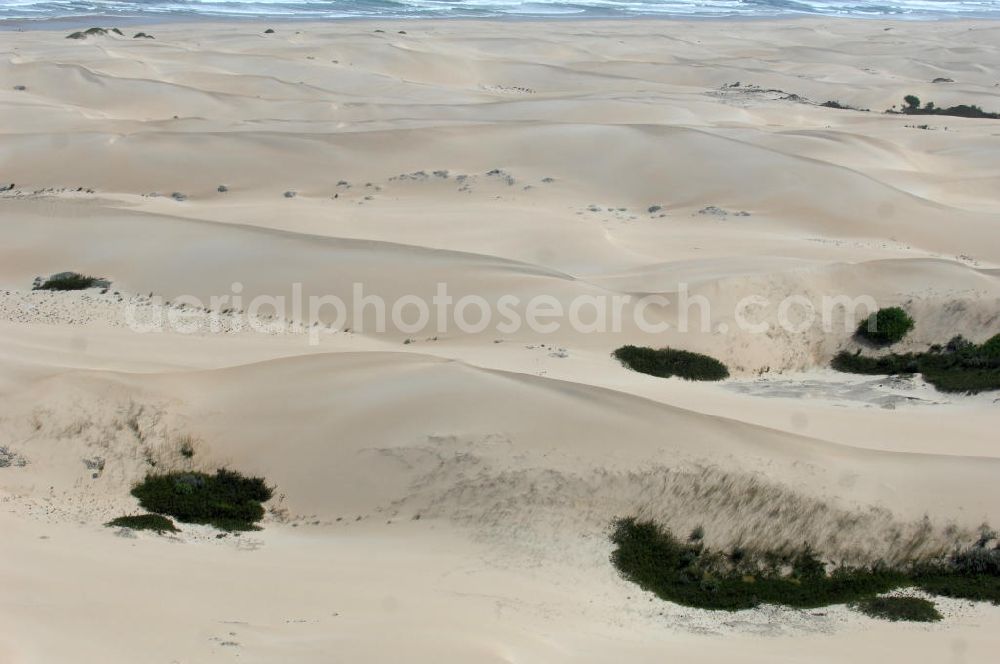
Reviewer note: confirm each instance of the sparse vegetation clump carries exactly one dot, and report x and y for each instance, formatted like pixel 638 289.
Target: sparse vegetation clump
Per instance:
pixel 692 574
pixel 668 362
pixel 226 500
pixel 886 326
pixel 958 366
pixel 912 609
pixel 843 107
pixel 912 107
pixel 69 281
pixel 155 522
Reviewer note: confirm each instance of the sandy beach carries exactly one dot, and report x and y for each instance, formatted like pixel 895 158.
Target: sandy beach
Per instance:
pixel 444 494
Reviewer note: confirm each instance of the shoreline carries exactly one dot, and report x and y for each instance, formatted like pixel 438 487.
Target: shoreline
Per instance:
pixel 205 20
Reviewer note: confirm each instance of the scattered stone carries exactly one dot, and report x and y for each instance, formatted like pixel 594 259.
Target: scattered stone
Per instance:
pixel 942 80
pixel 96 465
pixel 222 189
pixel 377 30
pixel 719 212
pixel 178 196
pixel 402 32
pixel 142 35
pixel 290 194
pixel 11 459
pixel 548 180
pixel 653 209
pixel 20 88
pixel 441 174
pixel 503 175
pixel 269 31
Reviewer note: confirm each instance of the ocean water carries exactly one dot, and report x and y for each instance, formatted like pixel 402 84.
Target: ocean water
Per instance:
pixel 321 9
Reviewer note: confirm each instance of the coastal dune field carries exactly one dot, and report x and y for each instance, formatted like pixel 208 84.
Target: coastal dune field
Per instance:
pixel 446 494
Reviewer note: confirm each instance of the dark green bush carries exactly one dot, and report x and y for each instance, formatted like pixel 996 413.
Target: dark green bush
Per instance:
pixel 69 281
pixel 226 500
pixel 667 362
pixel 991 347
pixel 157 522
pixel 886 326
pixel 978 588
pixel 843 107
pixel 913 609
pixel 688 573
pixel 959 366
pixel 913 107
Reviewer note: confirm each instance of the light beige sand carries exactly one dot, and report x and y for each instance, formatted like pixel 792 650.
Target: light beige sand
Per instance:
pixel 447 500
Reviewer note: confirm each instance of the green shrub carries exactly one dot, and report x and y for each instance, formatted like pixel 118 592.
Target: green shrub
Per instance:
pixel 70 281
pixel 991 347
pixel 689 573
pixel 843 107
pixel 226 500
pixel 692 575
pixel 978 588
pixel 667 362
pixel 913 609
pixel 886 326
pixel 913 107
pixel 157 522
pixel 959 366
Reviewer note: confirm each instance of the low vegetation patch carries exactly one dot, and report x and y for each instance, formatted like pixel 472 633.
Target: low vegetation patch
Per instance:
pixel 886 326
pixel 226 500
pixel 156 522
pixel 689 573
pixel 69 281
pixel 667 362
pixel 911 106
pixel 913 609
pixel 843 107
pixel 958 366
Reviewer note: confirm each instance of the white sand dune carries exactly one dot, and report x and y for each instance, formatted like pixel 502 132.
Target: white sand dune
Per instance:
pixel 445 495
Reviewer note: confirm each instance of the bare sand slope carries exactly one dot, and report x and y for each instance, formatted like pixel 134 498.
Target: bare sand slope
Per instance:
pixel 444 495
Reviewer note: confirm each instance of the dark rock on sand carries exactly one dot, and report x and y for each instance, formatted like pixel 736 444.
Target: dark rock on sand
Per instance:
pixel 20 88
pixel 290 194
pixel 942 80
pixel 653 209
pixel 178 196
pixel 269 31
pixel 142 35
pixel 222 189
